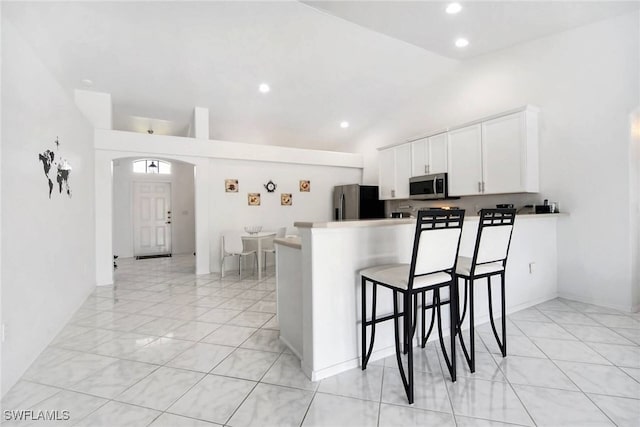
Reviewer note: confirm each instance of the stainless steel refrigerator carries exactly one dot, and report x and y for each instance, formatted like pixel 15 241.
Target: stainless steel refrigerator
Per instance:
pixel 357 202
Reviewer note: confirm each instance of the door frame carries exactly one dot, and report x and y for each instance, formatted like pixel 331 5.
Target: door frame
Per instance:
pixel 104 207
pixel 141 180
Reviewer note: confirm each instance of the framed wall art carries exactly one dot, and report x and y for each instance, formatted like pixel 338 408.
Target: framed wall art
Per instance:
pixel 231 185
pixel 305 185
pixel 253 199
pixel 286 199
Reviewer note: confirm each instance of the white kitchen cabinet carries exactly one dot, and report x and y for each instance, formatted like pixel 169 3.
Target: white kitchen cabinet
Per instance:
pixel 465 161
pixel 394 172
pixel 387 173
pixel 509 154
pixel 429 155
pixel 419 157
pixel 403 170
pixel 497 155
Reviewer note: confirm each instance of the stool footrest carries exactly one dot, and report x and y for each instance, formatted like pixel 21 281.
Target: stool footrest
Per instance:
pixel 369 322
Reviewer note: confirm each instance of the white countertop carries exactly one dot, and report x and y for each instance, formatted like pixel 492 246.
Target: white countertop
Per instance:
pixel 399 221
pixel 292 242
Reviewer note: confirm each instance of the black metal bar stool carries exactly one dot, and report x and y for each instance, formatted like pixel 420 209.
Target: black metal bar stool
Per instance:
pixel 433 262
pixel 489 259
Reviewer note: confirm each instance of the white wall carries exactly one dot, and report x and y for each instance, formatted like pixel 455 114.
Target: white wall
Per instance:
pixel 96 107
pixel 1 316
pixel 113 145
pixel 182 206
pixel 634 194
pixel 48 258
pixel 231 211
pixel 586 83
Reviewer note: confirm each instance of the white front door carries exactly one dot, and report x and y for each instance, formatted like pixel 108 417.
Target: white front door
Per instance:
pixel 151 218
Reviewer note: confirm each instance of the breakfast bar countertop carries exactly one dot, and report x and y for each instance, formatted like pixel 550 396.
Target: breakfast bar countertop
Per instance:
pixel 398 221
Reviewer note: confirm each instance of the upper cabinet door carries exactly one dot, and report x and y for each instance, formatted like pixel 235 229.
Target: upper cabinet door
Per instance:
pixel 403 170
pixel 419 157
pixel 465 161
pixel 387 173
pixel 438 153
pixel 503 153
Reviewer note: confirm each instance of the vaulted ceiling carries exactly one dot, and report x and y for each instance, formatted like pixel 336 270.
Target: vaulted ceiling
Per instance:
pixel 326 62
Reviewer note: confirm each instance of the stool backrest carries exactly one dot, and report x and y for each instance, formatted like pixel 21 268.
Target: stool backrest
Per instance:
pixel 436 242
pixel 494 236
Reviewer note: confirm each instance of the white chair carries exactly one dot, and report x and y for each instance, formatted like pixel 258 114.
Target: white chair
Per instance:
pixel 269 246
pixel 231 245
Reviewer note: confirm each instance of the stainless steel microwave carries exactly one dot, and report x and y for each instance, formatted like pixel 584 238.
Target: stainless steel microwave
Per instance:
pixel 429 187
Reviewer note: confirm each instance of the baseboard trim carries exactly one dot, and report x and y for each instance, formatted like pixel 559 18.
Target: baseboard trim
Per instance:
pixel 330 371
pixel 290 347
pixel 628 308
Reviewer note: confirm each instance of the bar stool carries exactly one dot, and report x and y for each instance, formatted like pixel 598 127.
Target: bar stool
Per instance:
pixel 433 262
pixel 489 259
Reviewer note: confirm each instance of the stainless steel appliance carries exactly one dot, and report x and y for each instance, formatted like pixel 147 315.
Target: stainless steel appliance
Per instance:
pixel 357 202
pixel 429 187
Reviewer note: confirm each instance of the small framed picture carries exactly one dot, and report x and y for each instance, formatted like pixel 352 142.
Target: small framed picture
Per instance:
pixel 231 185
pixel 305 185
pixel 286 199
pixel 253 199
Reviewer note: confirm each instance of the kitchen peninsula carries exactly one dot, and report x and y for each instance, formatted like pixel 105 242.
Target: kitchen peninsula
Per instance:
pixel 319 288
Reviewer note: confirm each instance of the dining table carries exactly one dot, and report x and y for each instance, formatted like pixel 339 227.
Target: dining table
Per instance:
pixel 258 238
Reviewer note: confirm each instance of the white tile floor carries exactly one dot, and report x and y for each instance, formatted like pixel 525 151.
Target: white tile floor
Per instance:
pixel 167 348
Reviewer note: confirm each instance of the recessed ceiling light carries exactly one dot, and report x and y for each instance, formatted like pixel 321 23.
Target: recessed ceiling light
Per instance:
pixel 462 42
pixel 453 8
pixel 344 125
pixel 87 82
pixel 264 88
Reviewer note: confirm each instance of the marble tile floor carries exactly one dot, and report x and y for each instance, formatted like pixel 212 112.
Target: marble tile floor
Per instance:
pixel 164 347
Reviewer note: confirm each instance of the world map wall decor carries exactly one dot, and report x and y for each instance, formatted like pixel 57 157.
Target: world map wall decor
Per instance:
pixel 62 169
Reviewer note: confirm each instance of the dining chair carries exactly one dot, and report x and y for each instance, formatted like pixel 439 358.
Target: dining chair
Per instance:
pixel 269 247
pixel 231 245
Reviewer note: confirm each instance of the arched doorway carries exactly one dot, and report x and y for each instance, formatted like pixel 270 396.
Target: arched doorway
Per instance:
pixel 104 165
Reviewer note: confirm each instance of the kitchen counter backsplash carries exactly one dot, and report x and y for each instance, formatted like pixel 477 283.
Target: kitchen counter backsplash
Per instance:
pixel 471 204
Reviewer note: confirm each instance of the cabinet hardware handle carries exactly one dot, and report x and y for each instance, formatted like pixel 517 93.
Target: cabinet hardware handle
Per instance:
pixel 479 187
pixel 425 169
pixel 393 193
pixel 483 186
pixel 168 222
